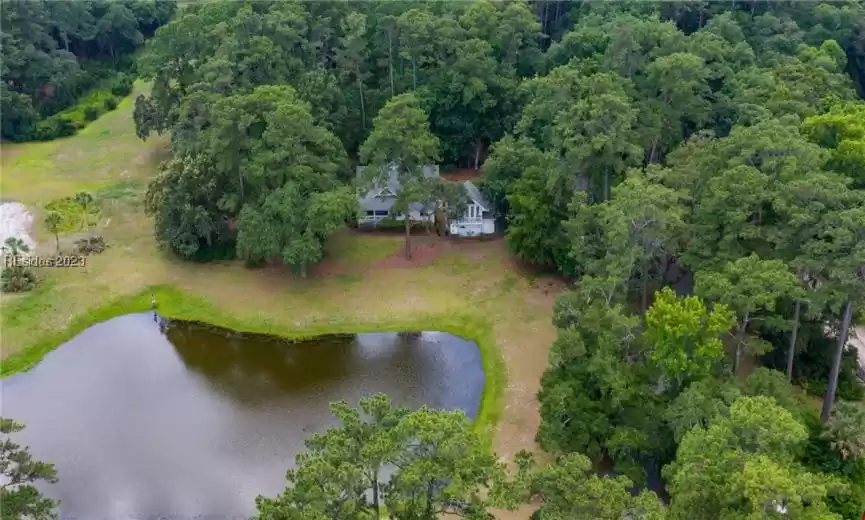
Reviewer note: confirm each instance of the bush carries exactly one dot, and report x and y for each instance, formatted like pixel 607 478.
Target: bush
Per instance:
pixel 91 113
pixel 110 104
pixel 90 245
pixel 121 86
pixel 819 456
pixel 17 279
pixel 53 127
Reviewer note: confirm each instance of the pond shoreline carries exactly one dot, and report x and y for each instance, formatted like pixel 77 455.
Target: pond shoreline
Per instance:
pixel 173 303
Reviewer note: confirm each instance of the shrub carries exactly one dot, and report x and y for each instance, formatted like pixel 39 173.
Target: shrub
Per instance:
pixel 90 245
pixel 53 127
pixel 110 104
pixel 91 113
pixel 17 279
pixel 122 85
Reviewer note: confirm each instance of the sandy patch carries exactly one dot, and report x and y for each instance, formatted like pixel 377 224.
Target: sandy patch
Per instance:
pixel 16 221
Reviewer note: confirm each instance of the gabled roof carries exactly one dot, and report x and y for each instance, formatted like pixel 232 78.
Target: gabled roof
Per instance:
pixel 475 194
pixel 381 197
pixel 429 171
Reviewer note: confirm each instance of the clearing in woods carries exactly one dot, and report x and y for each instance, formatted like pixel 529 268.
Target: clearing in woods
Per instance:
pixel 363 284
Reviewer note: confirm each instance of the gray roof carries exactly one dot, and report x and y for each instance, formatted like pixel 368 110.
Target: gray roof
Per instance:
pixel 476 195
pixel 374 200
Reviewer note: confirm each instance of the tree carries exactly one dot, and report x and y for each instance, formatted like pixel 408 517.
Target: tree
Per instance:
pixel 18 494
pixel 84 199
pixel 15 277
pixel 401 145
pixel 52 221
pixel 507 161
pixel 842 131
pixel 595 396
pixel 589 120
pixel 636 231
pixel 444 467
pixel 439 465
pixel 353 54
pixel 570 489
pixel 698 405
pixel 742 466
pixel 839 243
pixel 747 285
pixel 291 226
pixel 537 213
pixel 678 89
pixel 845 429
pixel 685 337
pixel 801 206
pixel 117 27
pixel 50 51
pixel 14 246
pixel 253 163
pixel 183 200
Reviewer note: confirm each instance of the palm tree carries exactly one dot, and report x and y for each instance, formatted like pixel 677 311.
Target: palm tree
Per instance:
pixel 84 199
pixel 14 245
pixel 52 223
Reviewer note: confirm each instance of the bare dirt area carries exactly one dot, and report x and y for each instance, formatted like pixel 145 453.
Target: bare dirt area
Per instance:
pixel 461 174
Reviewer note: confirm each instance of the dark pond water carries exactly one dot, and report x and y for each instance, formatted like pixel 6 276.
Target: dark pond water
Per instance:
pixel 179 421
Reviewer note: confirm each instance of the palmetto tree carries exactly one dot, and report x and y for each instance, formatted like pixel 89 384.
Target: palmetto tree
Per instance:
pixel 14 246
pixel 84 199
pixel 52 223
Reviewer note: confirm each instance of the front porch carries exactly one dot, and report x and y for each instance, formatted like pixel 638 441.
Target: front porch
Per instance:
pixel 374 217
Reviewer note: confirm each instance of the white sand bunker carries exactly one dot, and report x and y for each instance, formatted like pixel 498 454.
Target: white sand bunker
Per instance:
pixel 15 221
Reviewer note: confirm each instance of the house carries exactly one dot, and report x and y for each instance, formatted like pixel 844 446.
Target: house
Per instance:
pixel 478 217
pixel 377 203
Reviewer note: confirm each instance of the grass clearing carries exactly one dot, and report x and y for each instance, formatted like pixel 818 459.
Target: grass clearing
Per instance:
pixel 346 248
pixel 472 289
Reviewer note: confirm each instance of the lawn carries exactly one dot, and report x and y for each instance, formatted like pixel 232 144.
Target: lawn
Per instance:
pixel 470 288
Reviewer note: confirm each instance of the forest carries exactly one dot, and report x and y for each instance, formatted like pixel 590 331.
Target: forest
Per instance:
pixel 56 54
pixel 694 169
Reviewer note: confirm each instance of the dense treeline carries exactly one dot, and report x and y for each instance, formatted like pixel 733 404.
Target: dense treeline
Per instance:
pixel 717 149
pixel 53 52
pixel 464 60
pixel 463 63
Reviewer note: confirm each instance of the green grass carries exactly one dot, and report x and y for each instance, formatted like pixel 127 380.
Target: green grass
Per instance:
pixel 374 248
pixel 95 98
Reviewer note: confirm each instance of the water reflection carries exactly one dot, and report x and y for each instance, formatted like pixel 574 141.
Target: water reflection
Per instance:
pixel 177 420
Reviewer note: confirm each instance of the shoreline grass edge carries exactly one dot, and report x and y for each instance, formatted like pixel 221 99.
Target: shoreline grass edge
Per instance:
pixel 177 304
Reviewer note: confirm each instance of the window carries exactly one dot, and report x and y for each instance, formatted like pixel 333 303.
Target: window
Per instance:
pixel 370 213
pixel 379 213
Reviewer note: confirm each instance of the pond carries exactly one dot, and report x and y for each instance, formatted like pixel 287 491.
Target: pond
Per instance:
pixel 148 418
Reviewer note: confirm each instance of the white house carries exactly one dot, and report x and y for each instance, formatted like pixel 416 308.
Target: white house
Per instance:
pixel 377 203
pixel 478 217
